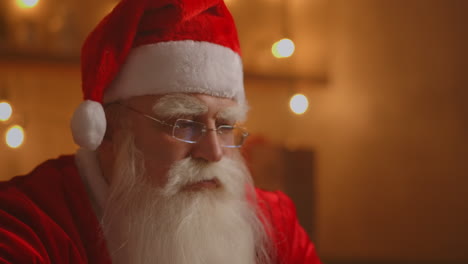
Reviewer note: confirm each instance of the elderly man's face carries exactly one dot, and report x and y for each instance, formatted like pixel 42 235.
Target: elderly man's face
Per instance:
pixel 160 149
pixel 174 202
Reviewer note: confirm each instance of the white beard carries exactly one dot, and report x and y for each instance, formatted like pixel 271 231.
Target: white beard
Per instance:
pixel 144 224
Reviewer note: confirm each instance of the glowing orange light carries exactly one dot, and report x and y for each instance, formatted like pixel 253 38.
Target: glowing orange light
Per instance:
pixel 5 111
pixel 26 3
pixel 14 136
pixel 283 48
pixel 299 104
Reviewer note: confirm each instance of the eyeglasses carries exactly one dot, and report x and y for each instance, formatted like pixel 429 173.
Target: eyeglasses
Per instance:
pixel 190 131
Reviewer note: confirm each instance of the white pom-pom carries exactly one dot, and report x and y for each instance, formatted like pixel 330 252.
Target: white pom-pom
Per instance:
pixel 88 125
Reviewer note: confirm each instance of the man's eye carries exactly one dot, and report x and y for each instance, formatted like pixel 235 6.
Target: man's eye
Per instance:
pixel 183 125
pixel 226 128
pixel 225 123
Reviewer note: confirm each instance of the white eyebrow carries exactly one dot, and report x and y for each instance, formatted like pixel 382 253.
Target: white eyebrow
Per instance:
pixel 233 114
pixel 176 105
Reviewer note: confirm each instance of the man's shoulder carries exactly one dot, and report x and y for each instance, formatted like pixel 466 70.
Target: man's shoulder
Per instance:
pixel 274 200
pixel 49 183
pixel 292 242
pixel 46 177
pixel 45 215
pixel 48 170
pixel 278 208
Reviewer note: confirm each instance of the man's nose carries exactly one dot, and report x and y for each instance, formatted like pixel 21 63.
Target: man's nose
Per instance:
pixel 208 147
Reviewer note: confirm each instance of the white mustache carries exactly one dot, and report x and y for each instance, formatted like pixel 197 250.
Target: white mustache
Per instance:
pixel 189 171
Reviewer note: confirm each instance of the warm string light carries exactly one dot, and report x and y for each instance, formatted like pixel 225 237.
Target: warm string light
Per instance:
pixel 299 104
pixel 24 4
pixel 5 111
pixel 14 136
pixel 283 48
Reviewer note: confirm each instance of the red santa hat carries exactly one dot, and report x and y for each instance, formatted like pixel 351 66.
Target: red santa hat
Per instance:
pixel 149 47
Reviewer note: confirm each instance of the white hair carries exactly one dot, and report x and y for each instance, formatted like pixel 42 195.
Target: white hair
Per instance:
pixel 178 105
pixel 175 105
pixel 145 224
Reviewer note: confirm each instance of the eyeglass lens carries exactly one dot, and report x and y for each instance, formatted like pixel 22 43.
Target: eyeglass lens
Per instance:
pixel 191 132
pixel 187 131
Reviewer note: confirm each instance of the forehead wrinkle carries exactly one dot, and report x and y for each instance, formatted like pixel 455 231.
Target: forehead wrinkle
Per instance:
pixel 174 105
pixel 233 113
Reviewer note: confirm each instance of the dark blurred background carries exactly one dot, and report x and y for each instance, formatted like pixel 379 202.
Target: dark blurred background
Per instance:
pixel 378 162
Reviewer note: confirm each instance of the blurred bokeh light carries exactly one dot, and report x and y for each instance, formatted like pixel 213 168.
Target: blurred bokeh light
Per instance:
pixel 283 48
pixel 299 104
pixel 26 3
pixel 5 111
pixel 14 136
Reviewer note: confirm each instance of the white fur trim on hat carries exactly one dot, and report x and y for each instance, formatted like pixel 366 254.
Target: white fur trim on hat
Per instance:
pixel 88 125
pixel 179 67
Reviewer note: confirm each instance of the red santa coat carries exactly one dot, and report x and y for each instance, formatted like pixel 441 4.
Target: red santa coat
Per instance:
pixel 47 217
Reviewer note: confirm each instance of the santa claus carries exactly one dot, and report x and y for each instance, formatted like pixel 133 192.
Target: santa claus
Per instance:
pixel 158 177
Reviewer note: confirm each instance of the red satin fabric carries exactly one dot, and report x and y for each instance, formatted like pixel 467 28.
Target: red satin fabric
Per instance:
pixel 46 217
